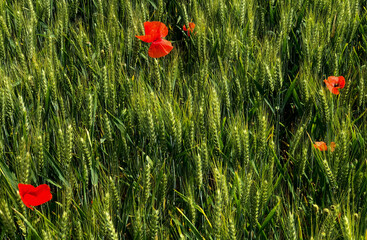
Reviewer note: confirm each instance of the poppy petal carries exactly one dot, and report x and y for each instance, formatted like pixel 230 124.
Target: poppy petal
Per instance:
pixel 341 82
pixel 146 38
pixel 333 80
pixel 335 90
pixel 34 196
pixel 329 86
pixel 190 29
pixel 155 29
pixel 160 48
pixel 25 188
pixel 320 146
pixel 192 26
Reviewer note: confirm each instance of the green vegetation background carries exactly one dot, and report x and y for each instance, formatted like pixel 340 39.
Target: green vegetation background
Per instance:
pixel 213 141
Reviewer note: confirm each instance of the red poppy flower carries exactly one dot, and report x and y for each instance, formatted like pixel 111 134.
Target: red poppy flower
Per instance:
pixel 34 196
pixel 154 33
pixel 190 29
pixel 320 146
pixel 334 83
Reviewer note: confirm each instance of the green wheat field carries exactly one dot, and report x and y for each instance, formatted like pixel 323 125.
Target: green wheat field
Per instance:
pixel 213 141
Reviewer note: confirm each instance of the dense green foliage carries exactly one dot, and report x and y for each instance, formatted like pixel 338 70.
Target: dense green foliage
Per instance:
pixel 213 141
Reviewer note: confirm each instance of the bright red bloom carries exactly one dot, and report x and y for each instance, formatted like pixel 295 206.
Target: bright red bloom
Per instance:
pixel 334 83
pixel 190 29
pixel 320 146
pixel 34 196
pixel 154 33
